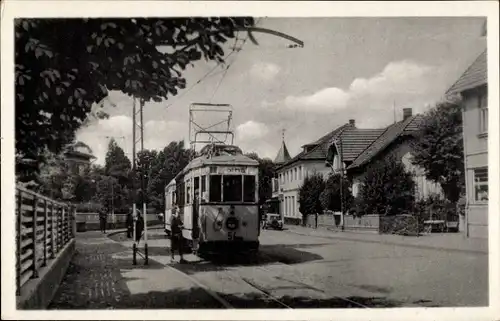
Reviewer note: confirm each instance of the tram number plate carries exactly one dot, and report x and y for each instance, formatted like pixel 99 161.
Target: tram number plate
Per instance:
pixel 231 236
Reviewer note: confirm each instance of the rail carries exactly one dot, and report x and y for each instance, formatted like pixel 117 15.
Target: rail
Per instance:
pixel 43 227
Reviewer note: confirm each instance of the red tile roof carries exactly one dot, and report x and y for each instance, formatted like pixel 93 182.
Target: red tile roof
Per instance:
pixel 475 76
pixel 389 135
pixel 318 149
pixel 355 141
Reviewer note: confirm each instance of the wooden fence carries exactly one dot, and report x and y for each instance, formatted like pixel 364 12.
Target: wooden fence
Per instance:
pixel 43 228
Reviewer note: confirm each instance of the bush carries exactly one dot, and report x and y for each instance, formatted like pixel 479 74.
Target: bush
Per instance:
pixel 436 208
pixel 387 188
pixel 330 197
pixel 357 207
pixel 309 195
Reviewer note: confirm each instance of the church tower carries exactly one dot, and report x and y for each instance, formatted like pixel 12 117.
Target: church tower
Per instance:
pixel 283 154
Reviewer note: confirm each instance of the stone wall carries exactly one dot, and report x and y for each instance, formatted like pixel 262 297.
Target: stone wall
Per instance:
pixel 38 293
pixel 366 223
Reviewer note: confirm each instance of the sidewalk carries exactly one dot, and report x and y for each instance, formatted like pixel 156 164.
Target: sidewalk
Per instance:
pixel 446 241
pixel 101 276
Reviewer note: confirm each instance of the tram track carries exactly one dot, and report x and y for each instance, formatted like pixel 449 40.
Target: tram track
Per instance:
pixel 268 299
pixel 230 271
pixel 308 286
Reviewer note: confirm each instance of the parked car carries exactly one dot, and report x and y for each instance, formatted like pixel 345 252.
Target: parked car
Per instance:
pixel 273 221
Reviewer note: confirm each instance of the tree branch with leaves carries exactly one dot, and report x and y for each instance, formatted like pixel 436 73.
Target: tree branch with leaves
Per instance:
pixel 64 66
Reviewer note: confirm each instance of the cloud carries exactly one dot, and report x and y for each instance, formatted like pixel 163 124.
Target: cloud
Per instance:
pixel 264 70
pixel 323 100
pixel 251 131
pixel 401 79
pixel 157 134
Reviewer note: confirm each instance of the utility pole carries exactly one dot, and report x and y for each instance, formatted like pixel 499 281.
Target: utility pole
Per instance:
pixel 341 183
pixel 394 109
pixel 138 143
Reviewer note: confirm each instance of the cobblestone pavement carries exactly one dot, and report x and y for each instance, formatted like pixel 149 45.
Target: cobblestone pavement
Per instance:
pixel 100 276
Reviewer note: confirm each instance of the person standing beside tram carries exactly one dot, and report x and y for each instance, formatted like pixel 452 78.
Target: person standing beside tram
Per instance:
pixel 176 239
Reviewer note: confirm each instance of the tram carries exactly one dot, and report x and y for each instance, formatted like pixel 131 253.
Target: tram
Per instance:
pixel 216 195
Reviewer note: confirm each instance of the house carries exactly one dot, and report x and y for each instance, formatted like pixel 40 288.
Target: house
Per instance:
pixel 312 159
pixel 78 157
pixel 472 87
pixel 395 140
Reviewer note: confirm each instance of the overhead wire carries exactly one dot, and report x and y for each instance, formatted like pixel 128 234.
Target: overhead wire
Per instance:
pixel 211 70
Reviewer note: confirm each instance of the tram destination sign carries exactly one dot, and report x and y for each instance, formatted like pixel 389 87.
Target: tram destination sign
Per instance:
pixel 236 170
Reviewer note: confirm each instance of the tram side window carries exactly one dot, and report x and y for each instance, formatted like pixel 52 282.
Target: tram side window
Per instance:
pixel 215 188
pixel 203 187
pixel 188 193
pixel 167 199
pixel 249 189
pixel 232 188
pixel 180 195
pixel 196 189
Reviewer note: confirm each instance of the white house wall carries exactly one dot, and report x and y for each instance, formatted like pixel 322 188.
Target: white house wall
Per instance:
pixel 476 156
pixel 289 184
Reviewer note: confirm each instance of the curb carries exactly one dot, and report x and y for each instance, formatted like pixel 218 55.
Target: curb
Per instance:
pixel 428 247
pixel 125 231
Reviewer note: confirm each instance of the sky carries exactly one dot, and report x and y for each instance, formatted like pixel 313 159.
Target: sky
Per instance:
pixel 366 69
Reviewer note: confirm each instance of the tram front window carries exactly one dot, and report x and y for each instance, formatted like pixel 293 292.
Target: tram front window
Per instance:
pixel 249 189
pixel 215 188
pixel 232 188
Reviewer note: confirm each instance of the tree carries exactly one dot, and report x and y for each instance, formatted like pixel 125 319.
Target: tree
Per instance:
pixel 387 188
pixel 266 174
pixel 309 195
pixel 331 197
pixel 439 149
pixel 169 162
pixel 54 178
pixel 64 66
pixel 117 163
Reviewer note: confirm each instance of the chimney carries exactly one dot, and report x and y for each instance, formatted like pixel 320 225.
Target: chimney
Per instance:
pixel 407 113
pixel 352 122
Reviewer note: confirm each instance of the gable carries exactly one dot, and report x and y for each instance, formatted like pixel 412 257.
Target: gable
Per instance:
pixel 474 76
pixel 390 135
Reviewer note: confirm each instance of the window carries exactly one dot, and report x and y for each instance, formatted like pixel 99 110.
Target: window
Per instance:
pixel 203 188
pixel 249 188
pixel 295 173
pixel 232 188
pixel 188 193
pixel 481 184
pixel 300 172
pixel 180 194
pixel 215 188
pixel 483 113
pixel 196 187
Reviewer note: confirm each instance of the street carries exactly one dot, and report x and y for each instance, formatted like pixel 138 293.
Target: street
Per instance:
pixel 291 271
